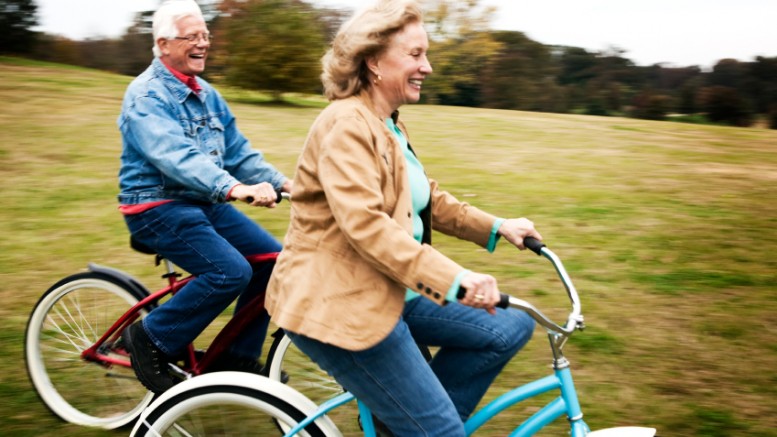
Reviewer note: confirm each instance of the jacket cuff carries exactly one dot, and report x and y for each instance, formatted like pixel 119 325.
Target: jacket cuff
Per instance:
pixel 494 238
pixel 454 290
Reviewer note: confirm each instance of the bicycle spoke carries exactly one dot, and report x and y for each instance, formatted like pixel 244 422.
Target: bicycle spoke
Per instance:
pixel 69 319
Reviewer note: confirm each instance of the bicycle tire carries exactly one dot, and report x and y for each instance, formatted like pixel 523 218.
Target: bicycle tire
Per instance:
pixel 223 407
pixel 307 378
pixel 69 318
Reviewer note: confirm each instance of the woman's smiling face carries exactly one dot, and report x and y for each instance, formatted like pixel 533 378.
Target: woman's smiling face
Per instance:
pixel 402 66
pixel 179 54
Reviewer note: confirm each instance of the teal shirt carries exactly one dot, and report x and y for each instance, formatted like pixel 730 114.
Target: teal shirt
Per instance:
pixel 420 194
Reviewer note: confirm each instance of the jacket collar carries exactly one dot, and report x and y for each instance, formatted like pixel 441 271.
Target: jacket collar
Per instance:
pixel 179 89
pixel 364 97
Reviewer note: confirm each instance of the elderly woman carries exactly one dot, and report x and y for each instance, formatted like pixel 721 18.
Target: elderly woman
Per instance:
pixel 358 280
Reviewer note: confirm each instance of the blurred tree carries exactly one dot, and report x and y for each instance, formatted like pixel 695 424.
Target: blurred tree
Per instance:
pixel 461 46
pixel 53 48
pixel 17 17
pixel 686 95
pixel 331 20
pixel 650 105
pixel 521 75
pixel 577 65
pixel 273 45
pixel 728 73
pixel 762 83
pixel 772 117
pixel 725 105
pixel 595 83
pixel 135 46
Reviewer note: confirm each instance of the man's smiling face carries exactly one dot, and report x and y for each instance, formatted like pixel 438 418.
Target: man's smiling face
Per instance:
pixel 179 54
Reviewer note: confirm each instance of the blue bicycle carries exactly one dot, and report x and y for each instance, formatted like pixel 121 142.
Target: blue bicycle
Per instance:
pixel 228 403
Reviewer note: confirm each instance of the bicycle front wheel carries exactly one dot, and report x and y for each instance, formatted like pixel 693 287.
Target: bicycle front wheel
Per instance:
pixel 223 409
pixel 68 319
pixel 307 378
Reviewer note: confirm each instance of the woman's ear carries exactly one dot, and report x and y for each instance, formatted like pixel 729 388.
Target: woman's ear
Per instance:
pixel 372 65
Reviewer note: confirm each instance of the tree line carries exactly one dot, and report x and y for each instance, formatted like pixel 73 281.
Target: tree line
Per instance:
pixel 276 45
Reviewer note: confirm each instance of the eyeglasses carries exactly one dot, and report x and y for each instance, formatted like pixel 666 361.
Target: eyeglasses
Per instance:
pixel 195 38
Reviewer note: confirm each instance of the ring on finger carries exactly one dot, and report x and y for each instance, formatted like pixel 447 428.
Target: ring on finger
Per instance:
pixel 478 297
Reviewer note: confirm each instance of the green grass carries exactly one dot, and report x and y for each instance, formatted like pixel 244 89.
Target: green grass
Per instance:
pixel 667 229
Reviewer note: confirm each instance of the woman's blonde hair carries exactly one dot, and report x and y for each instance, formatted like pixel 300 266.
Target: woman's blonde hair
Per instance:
pixel 366 34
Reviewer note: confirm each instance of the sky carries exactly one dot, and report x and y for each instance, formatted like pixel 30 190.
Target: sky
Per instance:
pixel 672 32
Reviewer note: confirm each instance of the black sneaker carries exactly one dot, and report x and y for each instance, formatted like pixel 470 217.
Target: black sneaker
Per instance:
pixel 148 361
pixel 228 362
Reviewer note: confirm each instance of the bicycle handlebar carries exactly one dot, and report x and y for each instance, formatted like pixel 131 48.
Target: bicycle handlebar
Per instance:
pixel 575 318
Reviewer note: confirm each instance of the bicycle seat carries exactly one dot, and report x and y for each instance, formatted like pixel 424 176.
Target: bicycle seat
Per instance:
pixel 140 247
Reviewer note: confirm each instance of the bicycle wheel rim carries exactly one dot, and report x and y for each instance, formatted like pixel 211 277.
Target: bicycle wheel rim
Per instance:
pixel 69 318
pixel 223 410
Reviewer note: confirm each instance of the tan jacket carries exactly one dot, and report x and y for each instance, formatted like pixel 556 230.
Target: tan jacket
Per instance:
pixel 349 253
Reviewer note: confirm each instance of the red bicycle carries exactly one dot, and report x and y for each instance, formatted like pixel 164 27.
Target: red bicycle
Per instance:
pixel 73 349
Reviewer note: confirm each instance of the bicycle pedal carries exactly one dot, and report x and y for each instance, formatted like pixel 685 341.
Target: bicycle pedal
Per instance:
pixel 178 372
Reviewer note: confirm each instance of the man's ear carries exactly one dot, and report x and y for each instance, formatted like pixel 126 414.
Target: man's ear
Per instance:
pixel 163 44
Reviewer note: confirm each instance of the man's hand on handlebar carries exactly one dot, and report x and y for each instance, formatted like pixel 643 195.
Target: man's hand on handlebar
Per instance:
pixel 261 194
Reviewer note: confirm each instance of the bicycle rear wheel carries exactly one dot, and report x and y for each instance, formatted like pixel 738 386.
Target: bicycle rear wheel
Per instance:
pixel 213 405
pixel 307 378
pixel 68 319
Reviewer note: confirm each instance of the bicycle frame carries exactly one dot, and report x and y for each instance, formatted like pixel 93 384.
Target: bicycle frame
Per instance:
pixel 97 352
pixel 561 380
pixel 567 402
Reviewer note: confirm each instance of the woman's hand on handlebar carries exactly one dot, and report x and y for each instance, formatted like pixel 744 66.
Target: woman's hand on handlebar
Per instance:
pixel 481 291
pixel 261 194
pixel 515 230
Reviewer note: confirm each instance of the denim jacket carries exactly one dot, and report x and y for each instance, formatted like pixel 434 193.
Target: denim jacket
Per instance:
pixel 181 145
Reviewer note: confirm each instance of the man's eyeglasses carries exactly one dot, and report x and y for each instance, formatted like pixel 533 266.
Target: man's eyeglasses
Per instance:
pixel 195 38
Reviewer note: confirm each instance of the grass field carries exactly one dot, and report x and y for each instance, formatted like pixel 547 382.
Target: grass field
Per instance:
pixel 668 230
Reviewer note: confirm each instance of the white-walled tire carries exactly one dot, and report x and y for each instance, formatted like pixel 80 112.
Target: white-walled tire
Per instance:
pixel 229 404
pixel 69 318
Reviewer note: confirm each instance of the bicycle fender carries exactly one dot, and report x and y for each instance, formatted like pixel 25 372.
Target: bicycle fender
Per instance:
pixel 244 380
pixel 624 431
pixel 123 278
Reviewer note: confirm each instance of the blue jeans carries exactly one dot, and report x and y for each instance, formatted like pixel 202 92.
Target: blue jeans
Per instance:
pixel 210 241
pixel 413 397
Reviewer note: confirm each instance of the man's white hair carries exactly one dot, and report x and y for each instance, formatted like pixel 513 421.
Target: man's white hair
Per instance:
pixel 167 16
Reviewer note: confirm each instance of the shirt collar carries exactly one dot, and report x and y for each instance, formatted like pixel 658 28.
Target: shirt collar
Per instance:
pixel 190 81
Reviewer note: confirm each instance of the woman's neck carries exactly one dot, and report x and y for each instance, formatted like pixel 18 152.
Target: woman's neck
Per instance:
pixel 380 104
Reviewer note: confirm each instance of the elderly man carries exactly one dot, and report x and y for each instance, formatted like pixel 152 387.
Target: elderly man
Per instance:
pixel 183 159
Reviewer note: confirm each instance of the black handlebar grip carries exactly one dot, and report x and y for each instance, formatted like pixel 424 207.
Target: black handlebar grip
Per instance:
pixel 278 197
pixel 533 244
pixel 504 299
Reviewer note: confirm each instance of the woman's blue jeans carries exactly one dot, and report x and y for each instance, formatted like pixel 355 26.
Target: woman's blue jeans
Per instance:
pixel 210 241
pixel 413 397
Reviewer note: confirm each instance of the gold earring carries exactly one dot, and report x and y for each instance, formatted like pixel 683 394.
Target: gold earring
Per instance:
pixel 377 80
